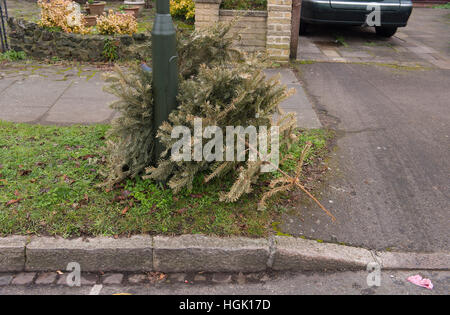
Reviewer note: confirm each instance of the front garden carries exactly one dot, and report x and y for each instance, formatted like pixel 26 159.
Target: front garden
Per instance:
pixel 54 30
pixel 106 180
pixel 48 186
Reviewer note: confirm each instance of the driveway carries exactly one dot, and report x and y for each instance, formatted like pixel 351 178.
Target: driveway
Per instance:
pixel 424 42
pixel 389 180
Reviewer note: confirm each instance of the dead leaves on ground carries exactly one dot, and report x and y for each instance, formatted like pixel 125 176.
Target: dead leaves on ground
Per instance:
pixel 24 172
pixel 13 201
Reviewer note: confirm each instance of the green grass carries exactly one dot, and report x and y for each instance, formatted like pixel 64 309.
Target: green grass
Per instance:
pixel 442 6
pixel 340 40
pixel 48 186
pixel 319 139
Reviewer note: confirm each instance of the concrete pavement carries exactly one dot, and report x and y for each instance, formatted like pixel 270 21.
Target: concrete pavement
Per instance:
pixel 64 95
pixel 53 94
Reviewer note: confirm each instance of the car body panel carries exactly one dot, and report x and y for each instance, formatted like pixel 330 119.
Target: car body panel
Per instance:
pixel 361 5
pixel 348 12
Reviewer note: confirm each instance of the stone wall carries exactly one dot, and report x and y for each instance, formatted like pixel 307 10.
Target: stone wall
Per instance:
pixel 268 31
pixel 39 42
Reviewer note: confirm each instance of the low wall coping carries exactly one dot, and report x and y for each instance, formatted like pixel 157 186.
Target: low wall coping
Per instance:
pixel 208 1
pixel 243 13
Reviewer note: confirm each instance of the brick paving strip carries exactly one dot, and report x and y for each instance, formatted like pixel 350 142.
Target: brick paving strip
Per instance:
pixel 193 253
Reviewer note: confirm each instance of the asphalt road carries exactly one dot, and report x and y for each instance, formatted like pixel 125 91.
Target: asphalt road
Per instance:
pixel 391 283
pixel 389 181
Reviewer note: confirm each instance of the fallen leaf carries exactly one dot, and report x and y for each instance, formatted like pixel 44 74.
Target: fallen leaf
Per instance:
pixel 40 164
pixel 125 210
pixel 16 193
pixel 24 172
pixel 119 198
pixel 87 156
pixel 59 272
pixel 13 201
pixel 126 193
pixel 153 209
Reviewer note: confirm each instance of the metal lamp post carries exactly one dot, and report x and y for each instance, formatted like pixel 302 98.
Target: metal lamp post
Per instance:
pixel 165 67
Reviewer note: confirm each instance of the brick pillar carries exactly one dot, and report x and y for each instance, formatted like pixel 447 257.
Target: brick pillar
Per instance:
pixel 279 29
pixel 206 12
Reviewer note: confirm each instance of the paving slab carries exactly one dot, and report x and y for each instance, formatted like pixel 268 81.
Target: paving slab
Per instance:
pixel 46 278
pixel 84 102
pixel 297 103
pixel 410 44
pixel 24 278
pixel 115 278
pixel 5 279
pixel 22 114
pixel 32 92
pixel 5 83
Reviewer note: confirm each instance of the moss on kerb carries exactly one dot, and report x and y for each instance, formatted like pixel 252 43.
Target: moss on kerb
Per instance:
pixel 40 42
pixel 276 228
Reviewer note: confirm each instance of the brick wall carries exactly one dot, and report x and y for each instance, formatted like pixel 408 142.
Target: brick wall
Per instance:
pixel 206 12
pixel 251 26
pixel 259 30
pixel 279 29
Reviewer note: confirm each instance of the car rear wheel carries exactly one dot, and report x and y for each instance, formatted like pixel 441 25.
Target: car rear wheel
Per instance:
pixel 385 31
pixel 303 27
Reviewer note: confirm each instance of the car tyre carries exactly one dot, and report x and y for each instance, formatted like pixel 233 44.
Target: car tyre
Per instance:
pixel 385 31
pixel 303 27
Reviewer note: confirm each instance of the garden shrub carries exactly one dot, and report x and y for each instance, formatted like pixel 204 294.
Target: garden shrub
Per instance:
pixel 116 23
pixel 183 8
pixel 12 55
pixel 60 14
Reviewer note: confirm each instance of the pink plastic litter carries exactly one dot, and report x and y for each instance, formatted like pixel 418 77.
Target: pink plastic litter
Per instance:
pixel 422 282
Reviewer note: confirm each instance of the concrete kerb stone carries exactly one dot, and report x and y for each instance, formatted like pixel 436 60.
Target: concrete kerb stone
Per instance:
pixel 12 253
pixel 93 254
pixel 193 253
pixel 200 253
pixel 410 261
pixel 299 254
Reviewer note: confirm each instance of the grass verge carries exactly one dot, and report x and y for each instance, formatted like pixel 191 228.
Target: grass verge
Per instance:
pixel 48 178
